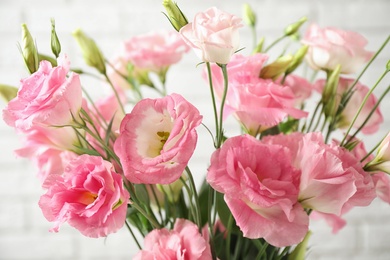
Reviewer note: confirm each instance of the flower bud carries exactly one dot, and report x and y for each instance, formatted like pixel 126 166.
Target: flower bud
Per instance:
pixel 249 15
pixel 174 15
pixel 173 190
pixel 91 52
pixel 276 68
pixel 259 46
pixel 54 41
pixel 329 93
pixel 8 92
pixel 388 66
pixel 381 162
pixel 294 27
pixel 298 58
pixel 29 50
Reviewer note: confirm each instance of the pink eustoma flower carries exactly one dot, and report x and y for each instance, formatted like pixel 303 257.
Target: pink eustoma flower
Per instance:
pixel 154 50
pixel 184 242
pixel 47 98
pixel 213 35
pixel 257 103
pixel 329 47
pixel 157 139
pixel 332 178
pixel 90 197
pixel 260 187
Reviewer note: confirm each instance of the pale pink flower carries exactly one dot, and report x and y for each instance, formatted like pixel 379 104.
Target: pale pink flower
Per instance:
pixel 46 98
pixel 260 187
pixel 184 242
pixel 329 47
pixel 354 103
pixel 157 139
pixel 154 50
pixel 89 196
pixel 213 35
pixel 332 179
pixel 46 155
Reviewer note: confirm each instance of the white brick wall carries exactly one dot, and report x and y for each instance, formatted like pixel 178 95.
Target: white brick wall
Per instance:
pixel 23 229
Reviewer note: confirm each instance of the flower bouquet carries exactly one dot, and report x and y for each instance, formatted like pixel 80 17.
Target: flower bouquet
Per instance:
pixel 124 160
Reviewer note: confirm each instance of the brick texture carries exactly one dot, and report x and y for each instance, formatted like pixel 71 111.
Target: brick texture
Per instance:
pixel 23 229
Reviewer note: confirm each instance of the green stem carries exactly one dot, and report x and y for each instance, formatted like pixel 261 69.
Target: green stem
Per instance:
pixel 370 114
pixel 274 43
pixel 368 65
pixel 133 235
pixel 211 222
pixel 228 236
pixel 213 101
pixel 225 89
pixel 196 198
pixel 115 93
pixel 152 221
pixel 361 107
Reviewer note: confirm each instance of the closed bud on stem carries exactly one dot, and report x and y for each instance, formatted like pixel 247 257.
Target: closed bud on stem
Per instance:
pixel 294 27
pixel 298 58
pixel 381 162
pixel 249 15
pixel 174 15
pixel 8 92
pixel 29 50
pixel 329 92
pixel 276 68
pixel 259 46
pixel 388 66
pixel 91 52
pixel 54 41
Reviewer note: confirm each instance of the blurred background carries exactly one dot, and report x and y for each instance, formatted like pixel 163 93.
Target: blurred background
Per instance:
pixel 23 229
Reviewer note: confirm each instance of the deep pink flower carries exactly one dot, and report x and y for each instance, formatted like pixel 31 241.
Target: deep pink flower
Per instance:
pixel 157 139
pixel 46 98
pixel 90 197
pixel 354 103
pixel 184 242
pixel 260 187
pixel 154 50
pixel 329 47
pixel 213 35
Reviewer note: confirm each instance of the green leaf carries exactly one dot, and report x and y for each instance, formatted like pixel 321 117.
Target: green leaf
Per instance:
pixel 8 92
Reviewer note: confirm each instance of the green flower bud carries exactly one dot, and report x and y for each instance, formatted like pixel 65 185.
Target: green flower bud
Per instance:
pixel 249 15
pixel 55 42
pixel 91 52
pixel 294 27
pixel 276 68
pixel 29 50
pixel 8 92
pixel 298 58
pixel 329 98
pixel 174 15
pixel 259 46
pixel 388 66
